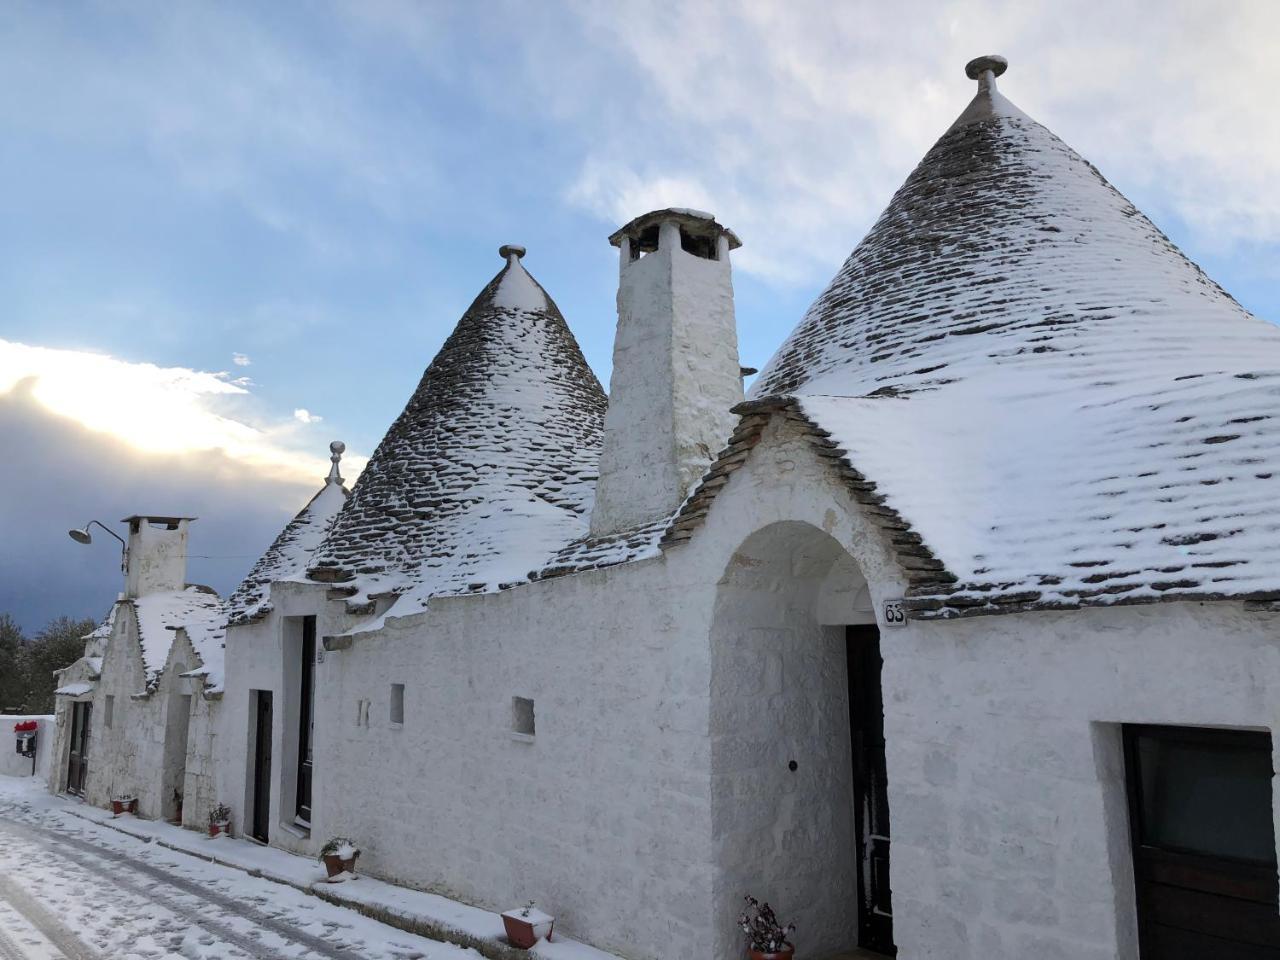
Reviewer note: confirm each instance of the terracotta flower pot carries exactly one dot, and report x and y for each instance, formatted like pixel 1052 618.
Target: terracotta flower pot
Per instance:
pixel 334 864
pixel 123 806
pixel 524 932
pixel 785 954
pixel 217 828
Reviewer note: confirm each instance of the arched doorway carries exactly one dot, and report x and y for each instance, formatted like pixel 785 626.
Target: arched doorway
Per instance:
pixel 794 673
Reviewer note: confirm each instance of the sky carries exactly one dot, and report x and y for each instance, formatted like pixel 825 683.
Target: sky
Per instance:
pixel 232 232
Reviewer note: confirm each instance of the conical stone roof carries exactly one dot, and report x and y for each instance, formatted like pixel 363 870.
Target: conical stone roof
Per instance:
pixel 289 554
pixel 1042 400
pixel 490 468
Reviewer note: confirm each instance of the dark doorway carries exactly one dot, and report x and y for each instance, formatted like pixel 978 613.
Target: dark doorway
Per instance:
pixel 78 766
pixel 870 793
pixel 306 714
pixel 1203 843
pixel 262 765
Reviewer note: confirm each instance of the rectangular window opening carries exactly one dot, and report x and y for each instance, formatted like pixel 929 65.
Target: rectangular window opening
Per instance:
pixel 522 716
pixel 397 703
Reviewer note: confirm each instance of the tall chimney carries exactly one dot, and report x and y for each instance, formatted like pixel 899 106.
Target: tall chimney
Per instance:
pixel 675 366
pixel 157 556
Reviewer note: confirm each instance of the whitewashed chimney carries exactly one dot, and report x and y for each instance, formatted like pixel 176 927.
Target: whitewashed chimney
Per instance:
pixel 157 555
pixel 675 366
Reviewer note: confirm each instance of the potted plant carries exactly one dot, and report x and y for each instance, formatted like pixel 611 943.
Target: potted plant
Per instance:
pixel 766 937
pixel 526 926
pixel 339 856
pixel 220 820
pixel 123 803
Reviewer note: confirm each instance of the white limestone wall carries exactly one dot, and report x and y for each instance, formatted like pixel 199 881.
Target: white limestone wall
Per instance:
pixel 1006 783
pixel 12 763
pixel 616 817
pixel 675 378
pixel 266 656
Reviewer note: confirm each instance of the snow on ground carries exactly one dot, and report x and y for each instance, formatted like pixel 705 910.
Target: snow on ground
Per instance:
pixel 76 882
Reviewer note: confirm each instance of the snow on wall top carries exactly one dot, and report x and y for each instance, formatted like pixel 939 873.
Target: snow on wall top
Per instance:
pixel 1060 407
pixel 288 555
pixel 490 468
pixel 200 612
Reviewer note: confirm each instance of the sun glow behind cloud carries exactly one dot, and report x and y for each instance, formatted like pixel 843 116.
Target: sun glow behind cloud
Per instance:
pixel 162 410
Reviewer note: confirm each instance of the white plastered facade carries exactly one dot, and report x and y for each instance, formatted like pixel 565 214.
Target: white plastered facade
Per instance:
pixel 147 743
pixel 670 696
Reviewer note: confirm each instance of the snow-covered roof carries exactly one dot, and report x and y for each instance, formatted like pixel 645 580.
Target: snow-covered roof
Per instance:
pixel 289 553
pixel 73 690
pixel 200 612
pixel 1045 400
pixel 491 467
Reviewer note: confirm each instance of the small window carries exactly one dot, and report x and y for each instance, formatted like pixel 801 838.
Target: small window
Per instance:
pixel 397 703
pixel 522 716
pixel 109 711
pixel 362 713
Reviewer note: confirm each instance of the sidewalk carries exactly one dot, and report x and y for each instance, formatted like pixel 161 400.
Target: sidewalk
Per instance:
pixel 425 914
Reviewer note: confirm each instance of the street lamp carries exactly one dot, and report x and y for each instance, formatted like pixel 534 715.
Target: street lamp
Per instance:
pixel 81 535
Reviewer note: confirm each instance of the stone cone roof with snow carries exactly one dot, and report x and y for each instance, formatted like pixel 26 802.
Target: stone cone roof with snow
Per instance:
pixel 1034 391
pixel 291 551
pixel 490 468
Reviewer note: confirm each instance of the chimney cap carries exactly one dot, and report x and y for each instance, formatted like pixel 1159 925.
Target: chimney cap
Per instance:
pixel 976 67
pixel 697 222
pixel 154 518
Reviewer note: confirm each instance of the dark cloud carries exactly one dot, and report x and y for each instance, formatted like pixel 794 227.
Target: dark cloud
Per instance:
pixel 58 475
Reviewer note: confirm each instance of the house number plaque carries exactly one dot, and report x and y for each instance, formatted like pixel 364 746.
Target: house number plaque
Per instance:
pixel 894 614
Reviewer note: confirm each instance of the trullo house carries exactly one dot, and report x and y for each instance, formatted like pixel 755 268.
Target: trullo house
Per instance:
pixel 955 636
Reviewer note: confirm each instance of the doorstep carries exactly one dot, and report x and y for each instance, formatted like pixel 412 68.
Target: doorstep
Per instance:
pixel 426 914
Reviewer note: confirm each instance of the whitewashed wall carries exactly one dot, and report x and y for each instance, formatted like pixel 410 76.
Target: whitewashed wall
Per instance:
pixel 266 656
pixel 1006 781
pixel 13 764
pixel 616 817
pixel 130 755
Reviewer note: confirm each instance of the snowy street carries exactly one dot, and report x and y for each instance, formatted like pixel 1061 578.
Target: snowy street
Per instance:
pixel 74 889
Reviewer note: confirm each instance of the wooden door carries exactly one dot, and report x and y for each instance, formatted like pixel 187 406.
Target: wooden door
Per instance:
pixel 78 764
pixel 871 798
pixel 307 718
pixel 262 766
pixel 1203 843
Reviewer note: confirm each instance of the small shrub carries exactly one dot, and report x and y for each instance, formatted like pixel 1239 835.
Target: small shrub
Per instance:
pixel 344 848
pixel 221 813
pixel 764 932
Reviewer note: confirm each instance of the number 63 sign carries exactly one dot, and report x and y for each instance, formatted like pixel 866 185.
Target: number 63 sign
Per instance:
pixel 894 615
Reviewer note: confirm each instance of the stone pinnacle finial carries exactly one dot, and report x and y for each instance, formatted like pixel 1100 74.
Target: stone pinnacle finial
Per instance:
pixel 336 450
pixel 509 250
pixel 976 67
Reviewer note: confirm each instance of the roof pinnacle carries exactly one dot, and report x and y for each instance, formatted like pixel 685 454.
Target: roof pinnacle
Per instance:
pixel 509 250
pixel 985 70
pixel 336 450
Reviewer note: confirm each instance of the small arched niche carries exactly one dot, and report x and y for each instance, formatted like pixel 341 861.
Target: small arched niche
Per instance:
pixel 783 796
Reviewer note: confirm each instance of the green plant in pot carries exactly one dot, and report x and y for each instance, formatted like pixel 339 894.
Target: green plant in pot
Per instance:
pixel 767 939
pixel 339 856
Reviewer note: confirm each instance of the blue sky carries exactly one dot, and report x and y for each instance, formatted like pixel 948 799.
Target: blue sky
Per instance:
pixel 321 189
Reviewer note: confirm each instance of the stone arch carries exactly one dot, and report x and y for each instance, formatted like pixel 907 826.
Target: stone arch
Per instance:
pixel 782 802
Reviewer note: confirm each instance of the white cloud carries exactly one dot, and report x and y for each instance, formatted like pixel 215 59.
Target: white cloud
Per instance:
pixel 303 415
pixel 795 123
pixel 241 359
pixel 161 409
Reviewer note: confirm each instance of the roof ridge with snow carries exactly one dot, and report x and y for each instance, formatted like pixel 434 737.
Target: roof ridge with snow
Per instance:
pixel 491 467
